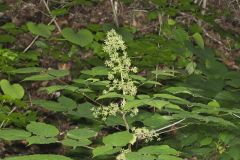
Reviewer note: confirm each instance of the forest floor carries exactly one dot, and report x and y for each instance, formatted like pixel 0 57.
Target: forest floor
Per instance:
pixel 133 14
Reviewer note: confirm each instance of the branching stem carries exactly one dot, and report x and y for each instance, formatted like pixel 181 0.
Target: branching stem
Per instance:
pixel 168 126
pixel 54 20
pixel 125 121
pixel 114 5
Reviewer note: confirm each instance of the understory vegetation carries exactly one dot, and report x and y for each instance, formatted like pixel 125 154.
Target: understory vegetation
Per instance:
pixel 119 80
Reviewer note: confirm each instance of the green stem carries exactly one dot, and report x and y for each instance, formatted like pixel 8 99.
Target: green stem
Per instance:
pixel 125 121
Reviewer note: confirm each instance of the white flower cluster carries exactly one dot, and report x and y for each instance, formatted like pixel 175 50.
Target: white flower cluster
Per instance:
pixel 120 65
pixel 120 68
pixel 103 112
pixel 145 134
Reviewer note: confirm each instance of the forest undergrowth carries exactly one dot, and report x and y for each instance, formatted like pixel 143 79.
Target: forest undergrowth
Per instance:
pixel 119 80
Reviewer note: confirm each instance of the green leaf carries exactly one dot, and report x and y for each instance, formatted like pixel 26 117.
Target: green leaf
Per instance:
pixel 13 134
pixel 171 97
pixel 50 105
pixel 81 133
pixel 105 150
pixel 143 96
pixel 151 83
pixel 76 143
pixel 42 129
pixel 186 90
pixel 158 150
pixel 67 102
pixel 215 69
pixel 206 119
pixel 41 77
pixel 8 26
pixel 64 104
pixel 118 139
pixel 187 140
pixel 83 110
pixel 214 104
pixel 226 137
pixel 55 88
pixel 102 150
pixel 234 83
pixel 206 141
pixel 168 157
pixel 40 140
pixel 138 156
pixel 157 103
pixel 126 33
pixel 39 157
pixel 15 91
pixel 199 40
pixel 135 103
pixel 169 73
pixel 156 120
pixel 233 151
pixel 180 35
pixel 110 95
pixel 227 96
pixel 138 77
pixel 86 37
pixel 96 71
pixel 172 106
pixel 39 29
pixel 48 75
pixel 100 83
pixel 28 70
pixel 82 38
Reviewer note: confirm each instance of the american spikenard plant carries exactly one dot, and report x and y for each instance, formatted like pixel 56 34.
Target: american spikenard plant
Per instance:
pixel 119 76
pixel 120 83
